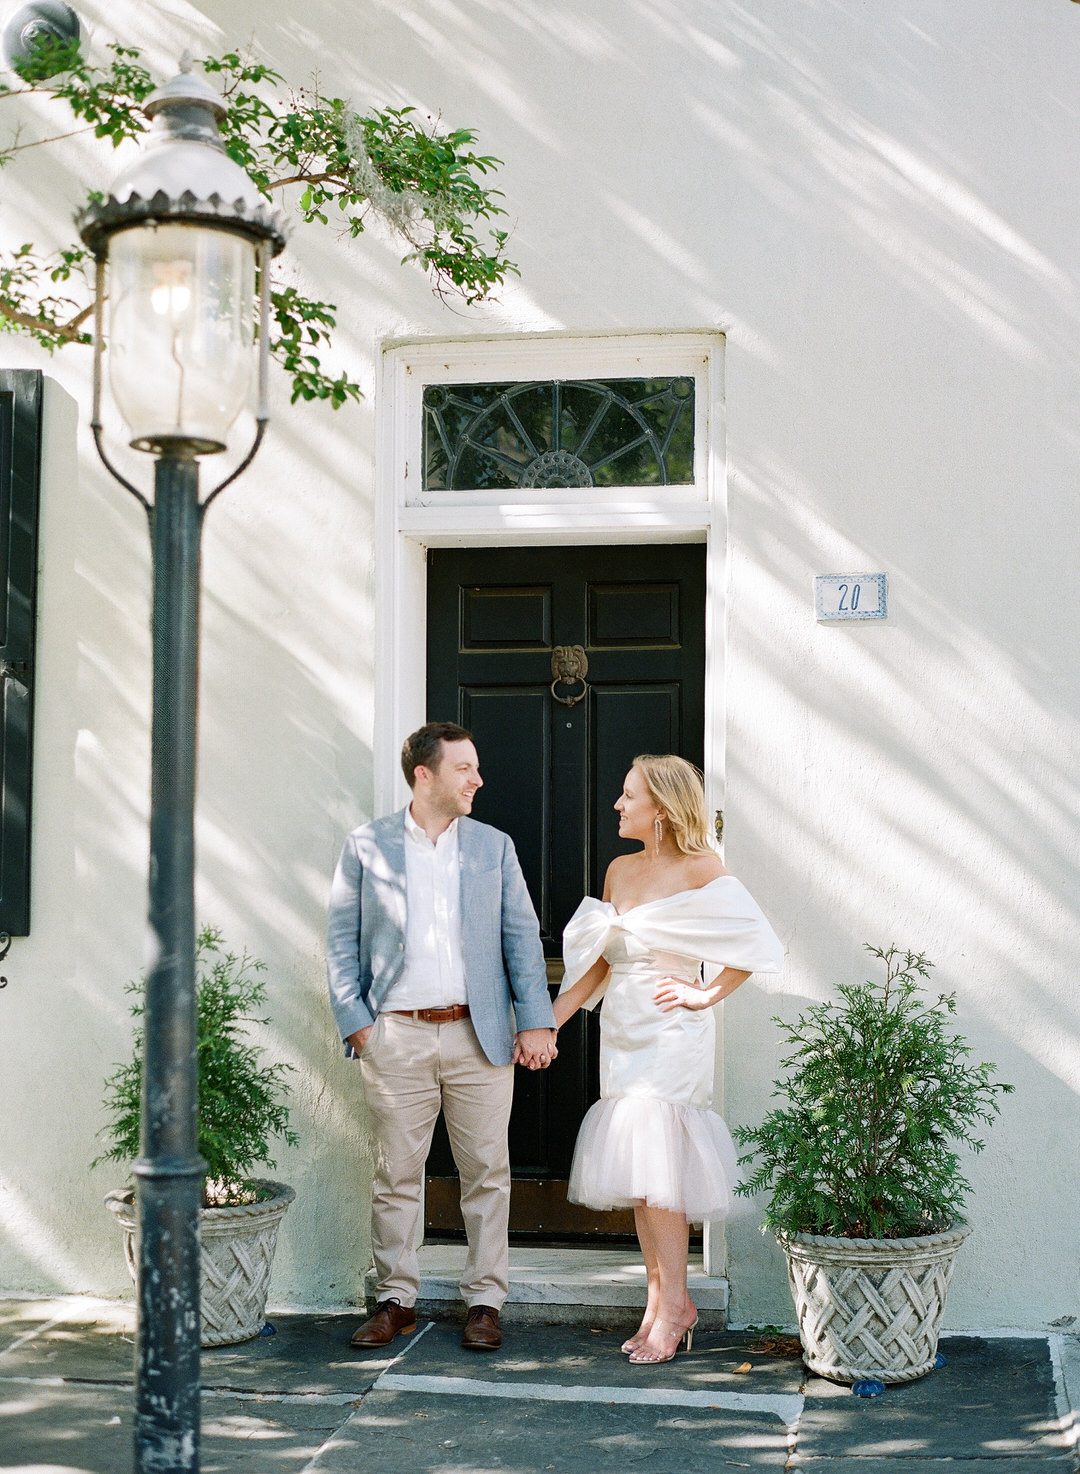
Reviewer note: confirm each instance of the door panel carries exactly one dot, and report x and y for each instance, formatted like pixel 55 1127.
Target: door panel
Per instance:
pixel 490 714
pixel 551 775
pixel 505 619
pixel 623 615
pixel 625 717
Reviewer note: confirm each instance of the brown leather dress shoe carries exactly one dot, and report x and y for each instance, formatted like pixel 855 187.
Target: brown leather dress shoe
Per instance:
pixel 390 1319
pixel 482 1330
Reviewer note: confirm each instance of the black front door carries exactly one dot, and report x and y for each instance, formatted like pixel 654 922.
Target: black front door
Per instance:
pixel 564 663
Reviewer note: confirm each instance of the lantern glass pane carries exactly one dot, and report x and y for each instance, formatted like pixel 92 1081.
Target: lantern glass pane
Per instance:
pixel 180 333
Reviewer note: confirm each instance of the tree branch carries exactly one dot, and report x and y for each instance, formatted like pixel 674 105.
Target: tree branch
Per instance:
pixel 17 148
pixel 67 332
pixel 331 176
pixel 80 317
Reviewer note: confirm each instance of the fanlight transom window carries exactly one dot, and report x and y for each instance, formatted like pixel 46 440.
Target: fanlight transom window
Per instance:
pixel 559 433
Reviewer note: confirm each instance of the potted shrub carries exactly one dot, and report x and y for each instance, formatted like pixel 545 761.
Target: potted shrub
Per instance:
pixel 241 1109
pixel 865 1186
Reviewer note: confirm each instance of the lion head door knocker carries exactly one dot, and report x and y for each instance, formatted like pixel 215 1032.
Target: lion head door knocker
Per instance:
pixel 569 667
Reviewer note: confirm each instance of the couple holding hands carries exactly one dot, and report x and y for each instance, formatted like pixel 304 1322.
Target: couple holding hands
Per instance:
pixel 438 986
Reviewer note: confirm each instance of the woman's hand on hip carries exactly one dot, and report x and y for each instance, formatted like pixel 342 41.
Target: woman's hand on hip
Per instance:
pixel 671 993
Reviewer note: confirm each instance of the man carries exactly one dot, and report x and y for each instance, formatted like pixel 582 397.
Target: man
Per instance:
pixel 438 983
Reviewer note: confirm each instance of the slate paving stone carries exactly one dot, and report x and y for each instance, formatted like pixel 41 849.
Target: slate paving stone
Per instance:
pixel 308 1354
pixel 908 1464
pixel 260 1435
pixel 17 1317
pixel 81 1430
pixel 88 1430
pixel 991 1411
pixel 90 1347
pixel 410 1433
pixel 994 1400
pixel 571 1355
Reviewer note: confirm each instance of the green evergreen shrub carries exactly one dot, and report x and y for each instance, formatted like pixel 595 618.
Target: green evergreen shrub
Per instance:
pixel 241 1101
pixel 879 1092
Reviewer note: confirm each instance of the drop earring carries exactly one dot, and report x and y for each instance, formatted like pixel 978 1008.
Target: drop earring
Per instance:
pixel 658 835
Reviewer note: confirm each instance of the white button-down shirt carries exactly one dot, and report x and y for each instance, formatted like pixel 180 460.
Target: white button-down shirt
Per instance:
pixel 434 972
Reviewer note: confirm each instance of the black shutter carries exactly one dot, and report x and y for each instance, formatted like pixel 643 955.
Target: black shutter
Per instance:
pixel 20 474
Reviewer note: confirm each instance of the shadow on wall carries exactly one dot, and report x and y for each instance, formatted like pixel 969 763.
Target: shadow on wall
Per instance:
pixel 951 746
pixel 789 174
pixel 822 126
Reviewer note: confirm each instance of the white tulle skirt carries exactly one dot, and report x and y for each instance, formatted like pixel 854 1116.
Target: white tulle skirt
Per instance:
pixel 652 1137
pixel 634 1150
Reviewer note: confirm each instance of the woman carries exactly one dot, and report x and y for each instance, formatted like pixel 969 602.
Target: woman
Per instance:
pixel 651 1142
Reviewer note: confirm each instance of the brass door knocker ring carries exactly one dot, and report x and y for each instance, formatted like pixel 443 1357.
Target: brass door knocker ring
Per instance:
pixel 569 667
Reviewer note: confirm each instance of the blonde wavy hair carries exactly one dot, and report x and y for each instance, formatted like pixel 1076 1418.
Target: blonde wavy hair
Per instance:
pixel 678 789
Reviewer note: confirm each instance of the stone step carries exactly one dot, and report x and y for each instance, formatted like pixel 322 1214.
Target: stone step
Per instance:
pixel 564 1286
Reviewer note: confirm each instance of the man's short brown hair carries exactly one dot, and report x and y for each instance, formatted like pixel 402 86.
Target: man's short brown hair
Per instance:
pixel 423 748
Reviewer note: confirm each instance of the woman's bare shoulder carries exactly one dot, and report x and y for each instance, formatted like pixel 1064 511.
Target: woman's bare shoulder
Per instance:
pixel 617 871
pixel 701 869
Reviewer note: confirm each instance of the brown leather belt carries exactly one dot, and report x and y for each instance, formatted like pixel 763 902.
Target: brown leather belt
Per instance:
pixel 448 1015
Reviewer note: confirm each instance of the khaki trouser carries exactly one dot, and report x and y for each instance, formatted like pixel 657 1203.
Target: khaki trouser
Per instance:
pixel 410 1069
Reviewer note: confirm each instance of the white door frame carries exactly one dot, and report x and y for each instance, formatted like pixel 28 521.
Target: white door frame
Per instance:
pixel 408 522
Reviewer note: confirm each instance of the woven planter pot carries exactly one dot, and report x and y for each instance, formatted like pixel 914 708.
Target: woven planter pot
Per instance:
pixel 237 1254
pixel 870 1307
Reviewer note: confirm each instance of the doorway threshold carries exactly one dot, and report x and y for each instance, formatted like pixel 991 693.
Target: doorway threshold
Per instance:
pixel 581 1286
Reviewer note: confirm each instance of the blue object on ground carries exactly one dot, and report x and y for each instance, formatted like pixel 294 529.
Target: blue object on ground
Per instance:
pixel 868 1387
pixel 268 1330
pixel 940 1361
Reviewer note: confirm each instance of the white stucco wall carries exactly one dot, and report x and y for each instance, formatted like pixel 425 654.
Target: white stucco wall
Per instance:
pixel 877 207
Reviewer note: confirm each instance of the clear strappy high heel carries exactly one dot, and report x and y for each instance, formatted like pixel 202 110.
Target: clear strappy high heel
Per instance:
pixel 638 1339
pixel 685 1338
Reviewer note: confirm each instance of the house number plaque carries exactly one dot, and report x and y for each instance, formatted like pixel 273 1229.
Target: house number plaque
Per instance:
pixel 850 596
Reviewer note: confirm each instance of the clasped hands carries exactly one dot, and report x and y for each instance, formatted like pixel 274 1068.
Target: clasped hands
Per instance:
pixel 535 1048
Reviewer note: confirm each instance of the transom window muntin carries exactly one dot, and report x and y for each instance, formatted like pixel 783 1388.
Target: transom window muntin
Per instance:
pixel 559 433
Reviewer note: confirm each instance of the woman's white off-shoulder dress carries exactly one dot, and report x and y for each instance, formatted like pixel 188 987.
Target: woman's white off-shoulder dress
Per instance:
pixel 652 1136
